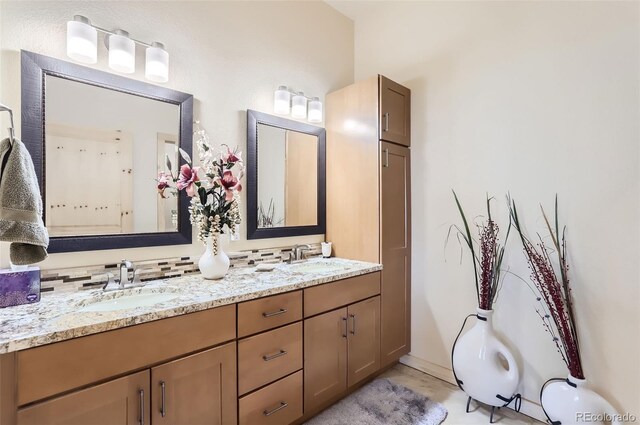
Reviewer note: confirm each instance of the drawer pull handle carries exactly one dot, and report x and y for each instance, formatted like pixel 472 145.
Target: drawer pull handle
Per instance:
pixel 275 313
pixel 386 121
pixel 163 408
pixel 274 356
pixel 271 412
pixel 141 393
pixel 353 329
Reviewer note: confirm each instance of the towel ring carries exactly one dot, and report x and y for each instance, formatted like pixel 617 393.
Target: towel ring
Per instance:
pixel 11 129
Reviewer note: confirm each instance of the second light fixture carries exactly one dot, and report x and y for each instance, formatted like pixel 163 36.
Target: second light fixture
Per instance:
pixel 297 104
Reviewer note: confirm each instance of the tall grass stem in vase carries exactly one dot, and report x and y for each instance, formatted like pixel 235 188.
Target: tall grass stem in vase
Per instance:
pixel 214 188
pixel 477 355
pixel 562 399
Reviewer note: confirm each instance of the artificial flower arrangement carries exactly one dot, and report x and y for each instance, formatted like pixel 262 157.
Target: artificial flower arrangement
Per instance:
pixel 486 254
pixel 553 288
pixel 214 187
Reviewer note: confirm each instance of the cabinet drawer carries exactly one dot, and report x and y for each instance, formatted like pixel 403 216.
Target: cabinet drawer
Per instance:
pixel 319 299
pixel 268 313
pixel 63 366
pixel 269 356
pixel 278 404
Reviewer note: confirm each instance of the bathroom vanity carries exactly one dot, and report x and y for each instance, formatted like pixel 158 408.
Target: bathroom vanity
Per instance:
pixel 252 348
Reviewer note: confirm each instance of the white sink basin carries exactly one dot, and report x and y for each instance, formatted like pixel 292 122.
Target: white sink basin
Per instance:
pixel 129 301
pixel 318 267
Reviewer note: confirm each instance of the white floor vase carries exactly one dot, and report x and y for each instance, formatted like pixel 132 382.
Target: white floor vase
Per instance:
pixel 479 364
pixel 571 402
pixel 213 266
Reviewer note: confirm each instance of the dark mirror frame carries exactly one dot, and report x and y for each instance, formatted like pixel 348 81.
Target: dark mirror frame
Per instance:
pixel 35 68
pixel 253 231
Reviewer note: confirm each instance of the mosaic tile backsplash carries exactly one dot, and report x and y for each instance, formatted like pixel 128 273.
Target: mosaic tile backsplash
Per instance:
pixel 92 277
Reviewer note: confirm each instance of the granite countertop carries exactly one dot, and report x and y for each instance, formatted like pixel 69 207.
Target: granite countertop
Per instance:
pixel 58 317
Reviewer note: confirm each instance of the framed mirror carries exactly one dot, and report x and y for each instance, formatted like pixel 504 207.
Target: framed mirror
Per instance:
pixel 285 177
pixel 98 142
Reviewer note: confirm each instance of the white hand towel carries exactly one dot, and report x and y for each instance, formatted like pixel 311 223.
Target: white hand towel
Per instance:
pixel 21 205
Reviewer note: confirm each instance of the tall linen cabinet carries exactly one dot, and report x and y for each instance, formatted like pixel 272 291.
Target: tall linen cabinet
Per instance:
pixel 369 194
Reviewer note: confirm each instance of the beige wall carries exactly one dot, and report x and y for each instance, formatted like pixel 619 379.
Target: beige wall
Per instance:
pixel 230 55
pixel 536 98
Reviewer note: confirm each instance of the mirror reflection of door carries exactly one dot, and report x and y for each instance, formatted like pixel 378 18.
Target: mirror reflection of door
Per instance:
pixel 89 181
pixel 301 180
pixel 287 178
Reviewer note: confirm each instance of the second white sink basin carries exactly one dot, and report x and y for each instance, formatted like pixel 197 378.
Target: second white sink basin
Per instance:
pixel 129 301
pixel 318 267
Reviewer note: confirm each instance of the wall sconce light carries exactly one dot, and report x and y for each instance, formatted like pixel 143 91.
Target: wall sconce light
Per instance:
pixel 282 101
pixel 82 46
pixel 297 104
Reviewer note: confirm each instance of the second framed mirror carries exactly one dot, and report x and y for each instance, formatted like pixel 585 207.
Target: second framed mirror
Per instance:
pixel 285 177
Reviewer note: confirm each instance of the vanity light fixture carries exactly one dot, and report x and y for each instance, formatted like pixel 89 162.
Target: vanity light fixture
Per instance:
pixel 287 102
pixel 82 40
pixel 122 52
pixel 282 101
pixel 315 110
pixel 82 46
pixel 157 63
pixel 299 105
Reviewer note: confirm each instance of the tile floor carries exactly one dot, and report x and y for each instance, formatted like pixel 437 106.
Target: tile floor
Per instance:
pixel 453 399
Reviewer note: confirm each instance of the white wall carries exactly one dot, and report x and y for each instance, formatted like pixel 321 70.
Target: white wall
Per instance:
pixel 230 55
pixel 535 98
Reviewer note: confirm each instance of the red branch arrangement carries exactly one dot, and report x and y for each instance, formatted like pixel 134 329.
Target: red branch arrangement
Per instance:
pixel 486 265
pixel 553 289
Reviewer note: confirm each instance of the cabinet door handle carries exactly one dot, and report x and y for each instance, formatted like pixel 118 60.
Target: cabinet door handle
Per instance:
pixel 163 407
pixel 271 412
pixel 344 320
pixel 141 393
pixel 385 163
pixel 353 328
pixel 274 356
pixel 386 122
pixel 275 313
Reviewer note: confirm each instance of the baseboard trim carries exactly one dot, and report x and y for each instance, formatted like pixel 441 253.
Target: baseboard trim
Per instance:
pixel 529 408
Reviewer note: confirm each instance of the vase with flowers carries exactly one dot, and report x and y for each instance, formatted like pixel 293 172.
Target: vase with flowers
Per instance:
pixel 478 357
pixel 214 188
pixel 564 400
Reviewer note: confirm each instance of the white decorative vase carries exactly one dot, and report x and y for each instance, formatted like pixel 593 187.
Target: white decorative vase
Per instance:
pixel 213 266
pixel 570 401
pixel 478 367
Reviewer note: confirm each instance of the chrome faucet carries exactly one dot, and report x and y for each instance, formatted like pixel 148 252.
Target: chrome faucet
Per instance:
pixel 298 253
pixel 124 273
pixel 122 283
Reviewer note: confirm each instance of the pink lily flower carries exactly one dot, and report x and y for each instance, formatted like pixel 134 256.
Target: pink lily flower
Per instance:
pixel 163 183
pixel 231 156
pixel 188 177
pixel 230 184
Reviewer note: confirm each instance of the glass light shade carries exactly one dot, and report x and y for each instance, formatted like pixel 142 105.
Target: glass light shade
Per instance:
pixel 82 40
pixel 299 106
pixel 122 52
pixel 315 110
pixel 157 63
pixel 282 101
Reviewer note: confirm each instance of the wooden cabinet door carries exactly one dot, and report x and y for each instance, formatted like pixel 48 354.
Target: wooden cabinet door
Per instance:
pixel 196 390
pixel 396 252
pixel 363 339
pixel 395 112
pixel 121 401
pixel 325 357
